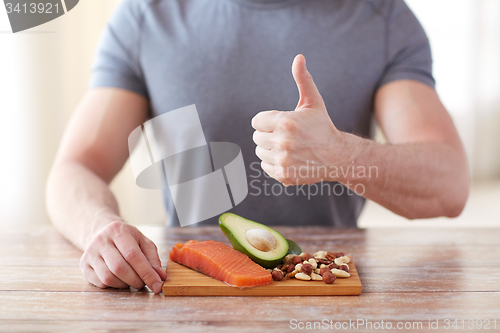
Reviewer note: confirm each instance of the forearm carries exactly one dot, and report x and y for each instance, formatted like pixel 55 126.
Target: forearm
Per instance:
pixel 79 202
pixel 415 180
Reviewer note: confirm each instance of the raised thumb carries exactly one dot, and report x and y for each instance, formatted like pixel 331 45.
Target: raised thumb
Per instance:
pixel 309 94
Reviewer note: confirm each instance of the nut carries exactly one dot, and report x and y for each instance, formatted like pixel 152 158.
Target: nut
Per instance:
pixel 339 273
pixel 344 267
pixel 298 267
pixel 269 270
pixel 316 277
pixel 330 256
pixel 277 275
pixel 306 256
pixel 306 268
pixel 302 276
pixel 290 268
pixel 328 278
pixel 291 274
pixel 317 270
pixel 324 270
pixel 322 265
pixel 297 260
pixel 288 259
pixel 342 260
pixel 284 268
pixel 333 265
pixel 320 255
pixel 313 263
pixel 324 261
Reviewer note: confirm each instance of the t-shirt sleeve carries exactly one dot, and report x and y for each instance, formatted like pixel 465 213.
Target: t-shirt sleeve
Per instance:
pixel 408 50
pixel 117 59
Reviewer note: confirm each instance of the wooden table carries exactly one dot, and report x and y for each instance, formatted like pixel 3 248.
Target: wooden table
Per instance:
pixel 408 276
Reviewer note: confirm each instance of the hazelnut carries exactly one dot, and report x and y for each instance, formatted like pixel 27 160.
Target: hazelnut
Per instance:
pixel 323 270
pixel 307 268
pixel 277 275
pixel 333 265
pixel 306 256
pixel 290 268
pixel 328 277
pixel 288 259
pixel 344 267
pixel 297 260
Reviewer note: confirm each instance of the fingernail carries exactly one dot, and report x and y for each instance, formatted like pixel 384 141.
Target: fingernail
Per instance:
pixel 157 287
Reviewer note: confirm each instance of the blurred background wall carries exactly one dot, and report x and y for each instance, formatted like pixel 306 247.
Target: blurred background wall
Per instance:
pixel 45 71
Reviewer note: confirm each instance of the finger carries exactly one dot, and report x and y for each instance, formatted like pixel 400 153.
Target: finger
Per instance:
pixel 104 274
pixel 151 252
pixel 265 155
pixel 263 139
pixel 121 269
pixel 91 276
pixel 132 253
pixel 268 168
pixel 309 94
pixel 266 121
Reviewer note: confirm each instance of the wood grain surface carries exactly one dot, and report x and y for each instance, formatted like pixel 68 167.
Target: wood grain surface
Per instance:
pixel 183 281
pixel 408 276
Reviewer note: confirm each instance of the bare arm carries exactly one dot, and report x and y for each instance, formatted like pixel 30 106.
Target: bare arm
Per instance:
pixel 80 203
pixel 422 172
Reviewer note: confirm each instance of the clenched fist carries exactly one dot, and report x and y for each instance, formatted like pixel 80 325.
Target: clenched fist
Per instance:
pixel 120 256
pixel 297 147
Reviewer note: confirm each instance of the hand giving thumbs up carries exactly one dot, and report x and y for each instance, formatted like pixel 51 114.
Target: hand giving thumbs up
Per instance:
pixel 296 146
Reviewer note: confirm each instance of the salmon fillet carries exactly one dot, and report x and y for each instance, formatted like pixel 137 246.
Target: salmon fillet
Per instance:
pixel 220 262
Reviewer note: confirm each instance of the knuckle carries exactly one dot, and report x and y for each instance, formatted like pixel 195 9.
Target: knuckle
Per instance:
pixel 83 261
pixel 152 244
pixel 115 227
pixel 117 268
pixel 131 255
pixel 255 120
pixel 108 279
pixel 286 145
pixel 149 275
pixel 288 125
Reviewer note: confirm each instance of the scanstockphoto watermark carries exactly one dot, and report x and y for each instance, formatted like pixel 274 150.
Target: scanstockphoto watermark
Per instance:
pixel 261 184
pixel 467 324
pixel 356 324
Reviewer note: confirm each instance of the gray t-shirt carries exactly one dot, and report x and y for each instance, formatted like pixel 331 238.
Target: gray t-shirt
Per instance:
pixel 232 58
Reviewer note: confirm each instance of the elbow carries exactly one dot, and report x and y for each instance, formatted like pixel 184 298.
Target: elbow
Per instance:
pixel 451 204
pixel 455 199
pixel 456 205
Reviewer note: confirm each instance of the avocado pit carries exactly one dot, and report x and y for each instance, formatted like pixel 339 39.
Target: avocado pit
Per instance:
pixel 261 239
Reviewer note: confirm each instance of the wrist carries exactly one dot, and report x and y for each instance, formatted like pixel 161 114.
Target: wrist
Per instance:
pixel 347 159
pixel 97 226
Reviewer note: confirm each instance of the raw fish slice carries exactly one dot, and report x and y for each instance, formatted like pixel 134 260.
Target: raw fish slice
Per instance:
pixel 220 262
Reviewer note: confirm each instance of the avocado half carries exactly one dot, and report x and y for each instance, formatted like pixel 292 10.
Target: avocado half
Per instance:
pixel 245 235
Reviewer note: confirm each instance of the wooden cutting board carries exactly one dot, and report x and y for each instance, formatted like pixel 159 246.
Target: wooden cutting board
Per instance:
pixel 183 281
